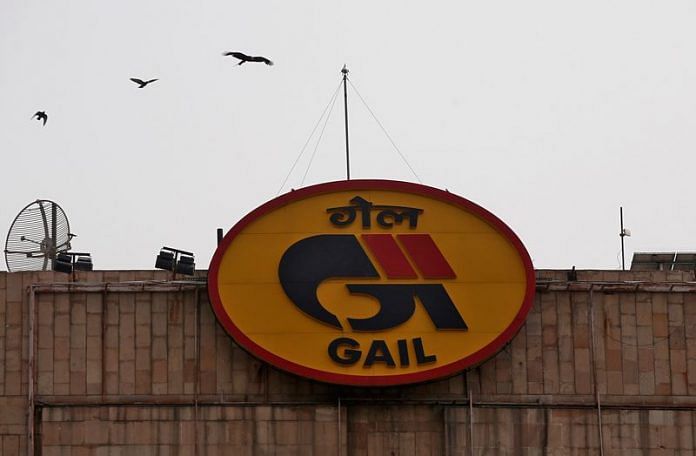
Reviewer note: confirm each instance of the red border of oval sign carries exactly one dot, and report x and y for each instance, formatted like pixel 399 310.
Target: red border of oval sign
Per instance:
pixel 379 380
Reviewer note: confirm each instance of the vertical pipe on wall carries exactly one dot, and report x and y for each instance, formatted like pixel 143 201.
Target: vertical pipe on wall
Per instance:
pixel 103 340
pixel 196 377
pixel 31 373
pixel 594 374
pixel 445 426
pixel 338 427
pixel 265 378
pixel 471 423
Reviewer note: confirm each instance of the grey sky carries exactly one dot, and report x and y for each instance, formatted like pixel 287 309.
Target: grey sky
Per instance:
pixel 549 114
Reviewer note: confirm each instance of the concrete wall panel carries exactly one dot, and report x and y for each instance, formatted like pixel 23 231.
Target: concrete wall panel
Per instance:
pixel 151 372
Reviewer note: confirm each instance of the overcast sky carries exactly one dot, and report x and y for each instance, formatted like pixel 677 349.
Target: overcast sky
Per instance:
pixel 549 114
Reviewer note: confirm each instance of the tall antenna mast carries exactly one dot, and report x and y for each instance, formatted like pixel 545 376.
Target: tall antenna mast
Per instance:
pixel 623 233
pixel 345 111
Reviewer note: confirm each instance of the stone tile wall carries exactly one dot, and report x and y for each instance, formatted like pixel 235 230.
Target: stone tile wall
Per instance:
pixel 166 430
pixel 152 373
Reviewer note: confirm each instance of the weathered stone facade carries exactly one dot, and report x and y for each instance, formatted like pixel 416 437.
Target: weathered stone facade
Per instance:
pixel 125 363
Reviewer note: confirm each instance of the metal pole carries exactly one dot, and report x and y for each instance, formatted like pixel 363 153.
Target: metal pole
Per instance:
pixel 345 111
pixel 471 423
pixel 103 340
pixel 54 234
pixel 31 371
pixel 622 234
pixel 445 424
pixel 196 379
pixel 594 375
pixel 338 425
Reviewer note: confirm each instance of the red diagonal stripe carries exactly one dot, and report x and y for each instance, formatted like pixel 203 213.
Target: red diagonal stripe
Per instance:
pixel 429 260
pixel 389 256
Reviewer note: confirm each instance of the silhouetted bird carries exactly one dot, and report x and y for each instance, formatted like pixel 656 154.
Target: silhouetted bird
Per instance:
pixel 248 58
pixel 41 115
pixel 142 83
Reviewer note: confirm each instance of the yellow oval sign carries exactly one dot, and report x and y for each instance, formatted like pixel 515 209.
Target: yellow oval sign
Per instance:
pixel 371 282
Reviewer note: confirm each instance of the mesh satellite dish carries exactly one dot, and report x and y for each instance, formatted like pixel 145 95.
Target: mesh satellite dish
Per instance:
pixel 38 234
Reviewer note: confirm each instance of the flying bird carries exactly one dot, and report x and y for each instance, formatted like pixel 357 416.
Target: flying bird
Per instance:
pixel 142 83
pixel 248 58
pixel 41 115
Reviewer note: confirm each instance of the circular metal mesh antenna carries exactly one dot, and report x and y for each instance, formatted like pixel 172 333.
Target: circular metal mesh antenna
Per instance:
pixel 39 232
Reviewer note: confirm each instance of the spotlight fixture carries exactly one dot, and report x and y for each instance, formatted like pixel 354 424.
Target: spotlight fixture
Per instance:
pixel 165 260
pixel 63 263
pixel 67 262
pixel 83 263
pixel 185 265
pixel 177 261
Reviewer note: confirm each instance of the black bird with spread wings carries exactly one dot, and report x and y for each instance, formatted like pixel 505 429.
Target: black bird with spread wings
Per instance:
pixel 142 83
pixel 41 115
pixel 247 58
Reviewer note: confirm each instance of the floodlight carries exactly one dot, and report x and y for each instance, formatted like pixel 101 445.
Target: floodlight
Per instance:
pixel 68 262
pixel 185 265
pixel 63 263
pixel 165 260
pixel 83 263
pixel 177 261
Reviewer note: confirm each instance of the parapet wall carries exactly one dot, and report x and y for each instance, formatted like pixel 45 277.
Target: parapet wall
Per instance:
pixel 128 363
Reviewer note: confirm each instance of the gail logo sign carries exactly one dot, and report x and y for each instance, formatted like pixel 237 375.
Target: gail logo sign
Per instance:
pixel 371 283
